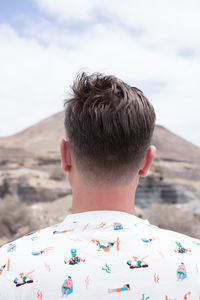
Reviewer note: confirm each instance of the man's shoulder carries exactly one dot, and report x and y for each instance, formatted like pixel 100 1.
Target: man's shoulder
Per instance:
pixel 137 246
pixel 172 241
pixel 27 242
pixel 172 234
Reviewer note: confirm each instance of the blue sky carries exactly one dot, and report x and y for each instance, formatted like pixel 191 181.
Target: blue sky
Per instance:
pixel 16 12
pixel 153 45
pixel 10 9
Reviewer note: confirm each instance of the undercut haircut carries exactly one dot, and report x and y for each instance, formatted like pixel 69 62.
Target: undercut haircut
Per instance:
pixel 109 126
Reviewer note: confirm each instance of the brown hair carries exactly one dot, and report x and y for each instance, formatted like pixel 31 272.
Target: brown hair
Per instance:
pixel 109 125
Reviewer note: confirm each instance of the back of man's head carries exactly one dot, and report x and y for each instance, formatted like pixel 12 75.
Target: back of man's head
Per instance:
pixel 109 126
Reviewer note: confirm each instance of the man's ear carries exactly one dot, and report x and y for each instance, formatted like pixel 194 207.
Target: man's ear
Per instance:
pixel 147 161
pixel 65 155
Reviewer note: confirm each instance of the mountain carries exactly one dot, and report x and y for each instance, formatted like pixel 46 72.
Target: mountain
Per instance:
pixel 172 147
pixel 43 138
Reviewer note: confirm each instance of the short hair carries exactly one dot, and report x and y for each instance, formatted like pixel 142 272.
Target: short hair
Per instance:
pixel 109 126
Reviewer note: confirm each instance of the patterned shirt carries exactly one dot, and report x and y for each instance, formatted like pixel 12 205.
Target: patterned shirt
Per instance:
pixel 101 255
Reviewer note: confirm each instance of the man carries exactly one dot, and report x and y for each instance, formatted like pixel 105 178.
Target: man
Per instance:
pixel 109 126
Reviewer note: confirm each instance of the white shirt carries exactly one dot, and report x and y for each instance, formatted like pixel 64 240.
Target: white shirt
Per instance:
pixel 101 255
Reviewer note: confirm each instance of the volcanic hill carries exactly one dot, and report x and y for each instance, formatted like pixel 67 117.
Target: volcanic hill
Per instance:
pixel 44 136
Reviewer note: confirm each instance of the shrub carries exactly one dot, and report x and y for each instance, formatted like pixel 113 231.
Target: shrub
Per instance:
pixel 14 217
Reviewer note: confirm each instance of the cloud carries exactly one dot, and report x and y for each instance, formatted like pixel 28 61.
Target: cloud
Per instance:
pixel 161 21
pixel 65 10
pixel 32 80
pixel 149 44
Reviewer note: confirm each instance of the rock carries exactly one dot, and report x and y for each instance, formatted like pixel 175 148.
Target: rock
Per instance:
pixel 31 186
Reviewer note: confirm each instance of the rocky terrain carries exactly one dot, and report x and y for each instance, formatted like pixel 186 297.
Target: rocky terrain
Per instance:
pixel 34 192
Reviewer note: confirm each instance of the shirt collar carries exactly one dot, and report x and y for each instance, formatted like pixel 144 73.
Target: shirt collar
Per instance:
pixel 102 218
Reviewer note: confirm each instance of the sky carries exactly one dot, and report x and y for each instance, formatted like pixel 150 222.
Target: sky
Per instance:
pixel 153 45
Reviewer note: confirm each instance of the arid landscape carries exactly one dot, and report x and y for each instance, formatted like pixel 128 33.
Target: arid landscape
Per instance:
pixel 34 192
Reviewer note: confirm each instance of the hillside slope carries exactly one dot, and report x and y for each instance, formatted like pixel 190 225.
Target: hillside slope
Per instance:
pixel 43 138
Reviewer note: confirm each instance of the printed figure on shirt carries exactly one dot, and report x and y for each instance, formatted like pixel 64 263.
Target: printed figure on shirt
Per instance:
pixel 102 224
pixel 108 246
pixel 74 260
pixel 117 226
pixel 37 253
pixel 23 279
pixel 197 243
pixel 187 296
pixel 181 249
pixel 2 268
pixel 7 264
pixel 11 248
pixel 62 231
pixel 137 263
pixel 67 287
pixel 181 272
pixel 125 287
pixel 106 268
pixel 145 297
pixel 149 240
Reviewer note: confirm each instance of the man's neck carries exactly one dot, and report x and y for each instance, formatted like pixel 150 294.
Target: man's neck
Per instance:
pixel 117 198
